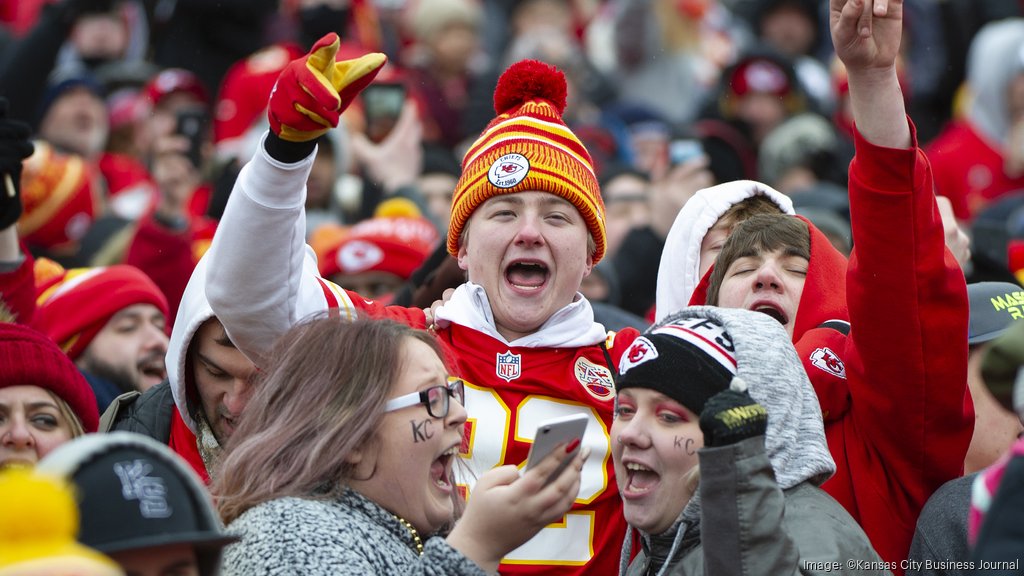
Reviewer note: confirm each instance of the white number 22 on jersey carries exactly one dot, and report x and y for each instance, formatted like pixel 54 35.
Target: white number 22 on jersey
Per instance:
pixel 570 541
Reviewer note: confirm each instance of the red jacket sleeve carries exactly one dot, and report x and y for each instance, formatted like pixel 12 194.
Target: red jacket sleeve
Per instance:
pixel 907 351
pixel 18 291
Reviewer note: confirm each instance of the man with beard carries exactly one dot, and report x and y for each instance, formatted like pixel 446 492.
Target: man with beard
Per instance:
pixel 209 381
pixel 110 320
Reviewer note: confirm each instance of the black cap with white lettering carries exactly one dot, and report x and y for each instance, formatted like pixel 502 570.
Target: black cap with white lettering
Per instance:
pixel 134 493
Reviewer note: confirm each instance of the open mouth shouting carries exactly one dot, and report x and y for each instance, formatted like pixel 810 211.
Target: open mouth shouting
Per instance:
pixel 773 310
pixel 441 469
pixel 527 275
pixel 640 481
pixel 152 368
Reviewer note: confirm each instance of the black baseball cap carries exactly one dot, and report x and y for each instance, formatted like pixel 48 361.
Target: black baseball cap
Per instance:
pixel 135 493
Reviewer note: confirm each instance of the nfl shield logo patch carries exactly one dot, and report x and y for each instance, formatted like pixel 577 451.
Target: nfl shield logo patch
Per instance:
pixel 508 365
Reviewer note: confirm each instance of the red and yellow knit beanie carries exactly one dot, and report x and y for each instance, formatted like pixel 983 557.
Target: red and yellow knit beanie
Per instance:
pixel 528 148
pixel 72 306
pixel 60 199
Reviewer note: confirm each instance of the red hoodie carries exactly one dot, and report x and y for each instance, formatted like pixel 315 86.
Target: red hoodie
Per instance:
pixel 894 389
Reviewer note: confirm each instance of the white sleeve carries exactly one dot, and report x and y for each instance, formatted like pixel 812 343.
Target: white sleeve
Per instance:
pixel 262 277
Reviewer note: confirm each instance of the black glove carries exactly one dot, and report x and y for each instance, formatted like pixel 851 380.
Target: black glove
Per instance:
pixel 14 147
pixel 730 417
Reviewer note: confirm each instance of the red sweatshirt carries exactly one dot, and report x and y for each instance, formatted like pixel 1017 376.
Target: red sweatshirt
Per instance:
pixel 894 390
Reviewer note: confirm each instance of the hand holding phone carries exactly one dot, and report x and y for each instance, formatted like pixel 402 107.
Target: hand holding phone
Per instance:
pixel 551 433
pixel 382 104
pixel 506 509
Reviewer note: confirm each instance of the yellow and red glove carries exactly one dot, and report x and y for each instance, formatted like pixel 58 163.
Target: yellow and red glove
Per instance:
pixel 313 91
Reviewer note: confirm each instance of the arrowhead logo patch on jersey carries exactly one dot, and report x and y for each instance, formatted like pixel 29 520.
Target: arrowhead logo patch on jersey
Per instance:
pixel 827 360
pixel 596 379
pixel 508 170
pixel 508 366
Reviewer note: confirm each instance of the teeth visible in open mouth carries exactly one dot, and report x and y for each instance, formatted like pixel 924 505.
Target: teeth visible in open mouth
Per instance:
pixel 637 467
pixel 454 450
pixel 527 275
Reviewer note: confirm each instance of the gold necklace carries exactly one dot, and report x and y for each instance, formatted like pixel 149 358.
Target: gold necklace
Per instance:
pixel 415 534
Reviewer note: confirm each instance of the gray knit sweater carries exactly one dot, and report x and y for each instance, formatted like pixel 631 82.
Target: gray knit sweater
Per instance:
pixel 349 535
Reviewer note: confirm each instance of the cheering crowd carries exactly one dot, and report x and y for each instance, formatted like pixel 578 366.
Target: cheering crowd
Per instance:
pixel 291 287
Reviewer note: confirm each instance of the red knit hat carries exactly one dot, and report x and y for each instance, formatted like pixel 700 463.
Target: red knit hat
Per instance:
pixel 528 148
pixel 173 81
pixel 760 75
pixel 246 88
pixel 396 245
pixel 72 306
pixel 59 198
pixel 28 358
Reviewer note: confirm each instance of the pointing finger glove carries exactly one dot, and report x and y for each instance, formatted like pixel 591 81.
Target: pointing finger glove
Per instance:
pixel 313 91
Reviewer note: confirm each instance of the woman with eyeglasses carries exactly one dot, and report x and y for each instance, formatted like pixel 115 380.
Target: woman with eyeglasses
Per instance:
pixel 342 464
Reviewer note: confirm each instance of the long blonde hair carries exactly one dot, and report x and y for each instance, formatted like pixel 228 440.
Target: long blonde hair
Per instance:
pixel 322 398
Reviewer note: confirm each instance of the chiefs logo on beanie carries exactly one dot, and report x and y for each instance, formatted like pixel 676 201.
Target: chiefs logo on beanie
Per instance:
pixel 689 360
pixel 72 306
pixel 60 199
pixel 528 147
pixel 397 245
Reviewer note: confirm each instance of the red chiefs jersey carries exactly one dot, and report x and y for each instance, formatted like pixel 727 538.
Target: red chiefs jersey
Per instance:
pixel 509 390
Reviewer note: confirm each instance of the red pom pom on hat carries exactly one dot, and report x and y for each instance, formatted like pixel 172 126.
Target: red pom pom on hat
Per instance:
pixel 528 147
pixel 528 80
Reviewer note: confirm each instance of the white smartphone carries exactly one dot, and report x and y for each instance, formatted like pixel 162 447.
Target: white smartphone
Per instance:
pixel 551 433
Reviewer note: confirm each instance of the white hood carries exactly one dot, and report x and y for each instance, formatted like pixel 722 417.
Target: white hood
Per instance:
pixel 192 312
pixel 996 55
pixel 679 271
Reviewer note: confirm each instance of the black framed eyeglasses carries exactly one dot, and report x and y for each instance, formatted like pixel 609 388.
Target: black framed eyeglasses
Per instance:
pixel 435 398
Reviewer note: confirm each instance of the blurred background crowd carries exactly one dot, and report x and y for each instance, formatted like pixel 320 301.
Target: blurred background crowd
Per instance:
pixel 144 111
